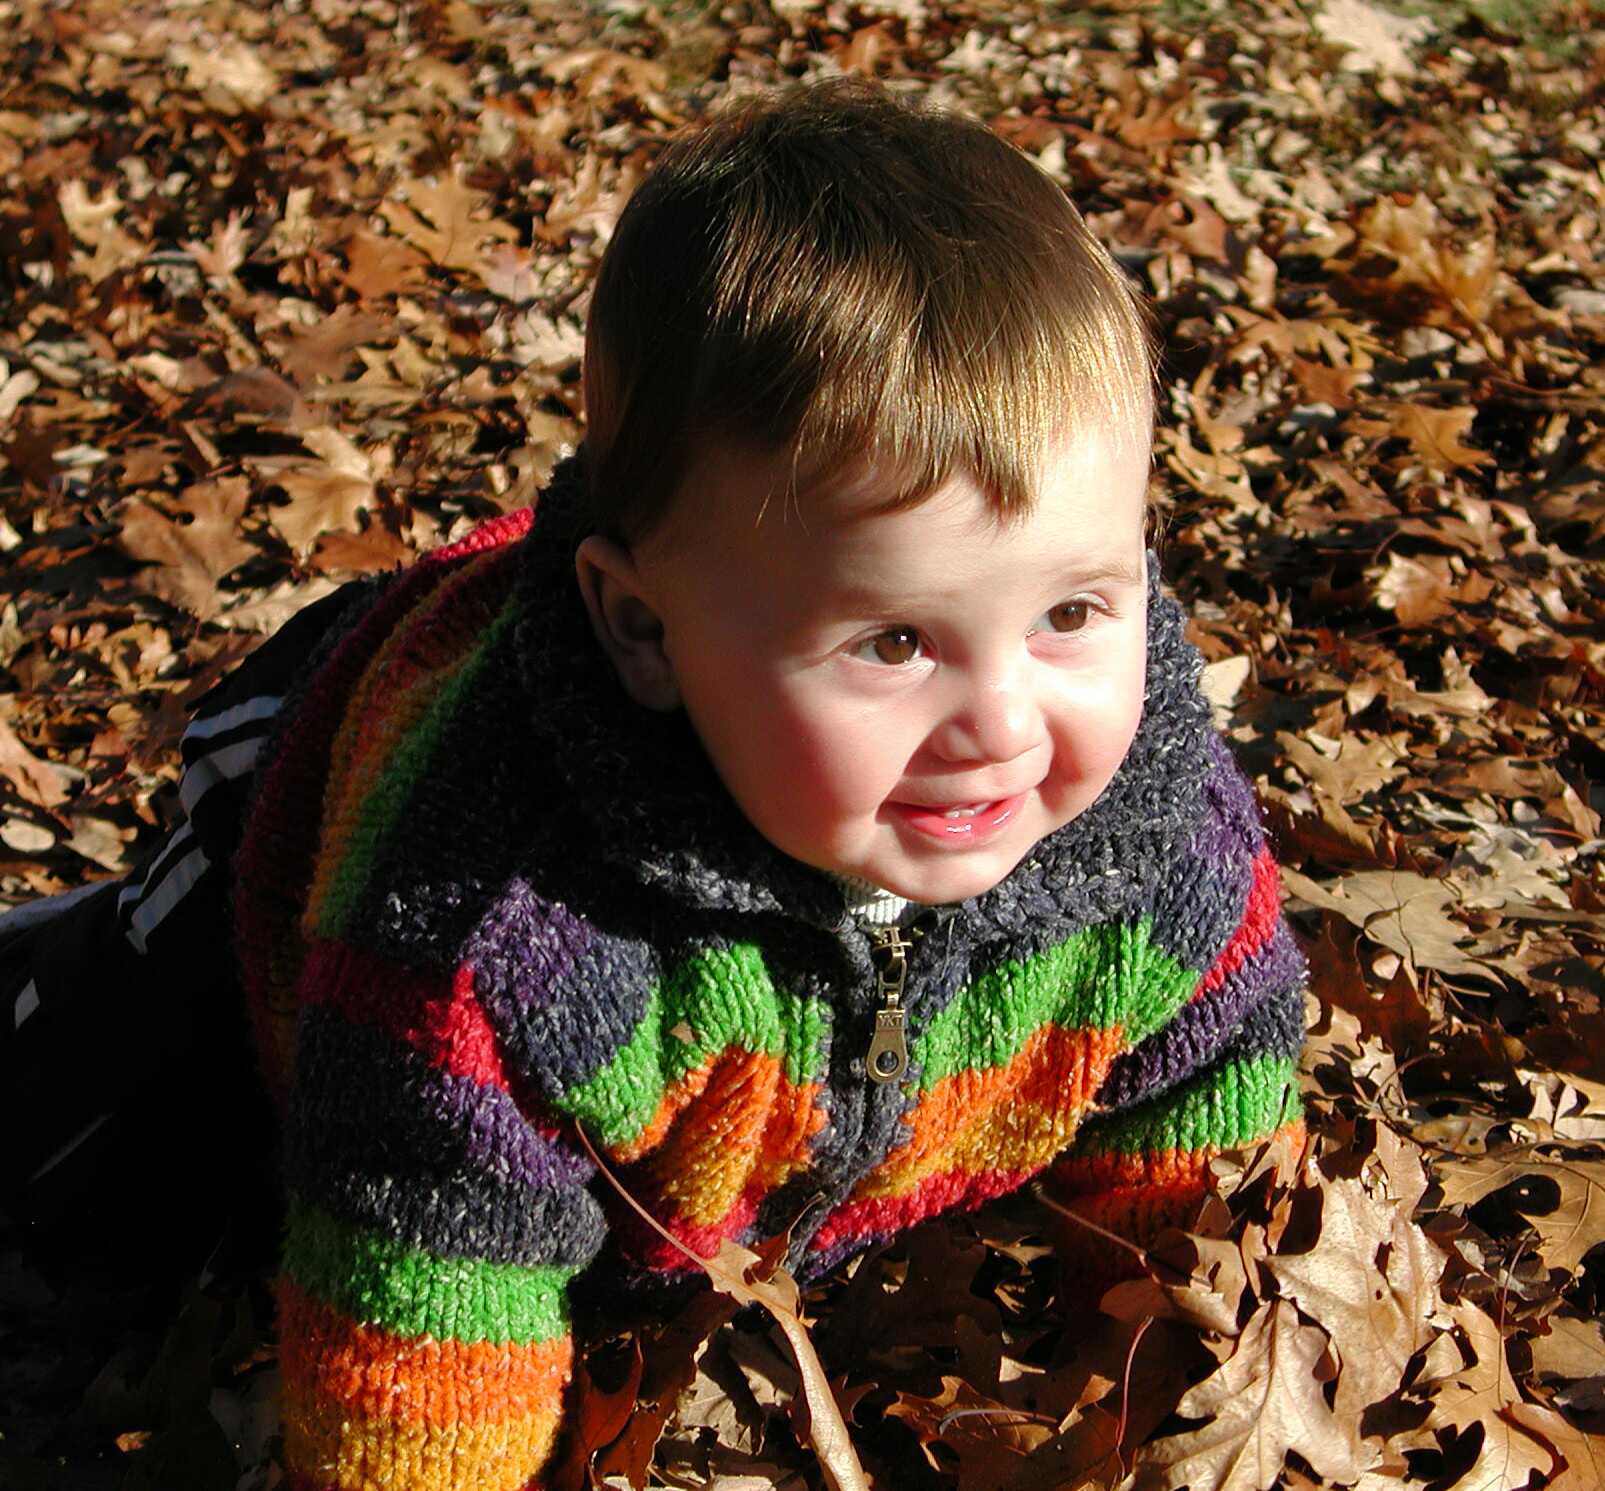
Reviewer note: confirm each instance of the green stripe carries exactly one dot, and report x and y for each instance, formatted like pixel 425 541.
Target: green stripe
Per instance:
pixel 619 1101
pixel 1102 977
pixel 374 1280
pixel 719 998
pixel 407 763
pixel 1236 1103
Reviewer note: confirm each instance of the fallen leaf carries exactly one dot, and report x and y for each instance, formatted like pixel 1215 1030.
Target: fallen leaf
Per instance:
pixel 1569 1348
pixel 741 1274
pixel 1481 1396
pixel 189 559
pixel 326 349
pixel 326 495
pixel 1435 435
pixel 1370 1281
pixel 1373 40
pixel 1400 909
pixel 37 781
pixel 1264 1401
pixel 1568 1229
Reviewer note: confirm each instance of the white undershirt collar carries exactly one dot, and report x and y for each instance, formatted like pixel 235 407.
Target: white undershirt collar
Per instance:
pixel 868 904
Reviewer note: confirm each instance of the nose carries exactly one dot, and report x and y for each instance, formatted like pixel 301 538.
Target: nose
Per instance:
pixel 994 718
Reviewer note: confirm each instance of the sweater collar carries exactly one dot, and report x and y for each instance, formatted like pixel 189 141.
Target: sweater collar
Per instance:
pixel 637 785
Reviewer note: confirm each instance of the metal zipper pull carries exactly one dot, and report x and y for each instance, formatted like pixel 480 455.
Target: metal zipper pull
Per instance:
pixel 887 1058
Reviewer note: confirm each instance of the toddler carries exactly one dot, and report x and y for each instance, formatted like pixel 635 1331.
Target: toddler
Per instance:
pixel 811 801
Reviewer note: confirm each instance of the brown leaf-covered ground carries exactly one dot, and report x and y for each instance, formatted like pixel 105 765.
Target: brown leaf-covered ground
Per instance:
pixel 294 291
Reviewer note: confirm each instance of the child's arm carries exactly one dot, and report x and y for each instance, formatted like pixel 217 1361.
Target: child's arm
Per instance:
pixel 435 1222
pixel 1221 1071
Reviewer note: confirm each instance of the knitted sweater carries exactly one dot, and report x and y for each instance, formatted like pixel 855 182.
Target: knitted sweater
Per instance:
pixel 484 900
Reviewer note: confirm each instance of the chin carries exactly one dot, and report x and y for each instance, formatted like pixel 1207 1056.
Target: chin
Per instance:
pixel 940 885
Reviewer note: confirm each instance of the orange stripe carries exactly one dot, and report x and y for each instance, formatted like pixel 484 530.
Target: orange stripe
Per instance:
pixel 1015 1117
pixel 393 695
pixel 1166 1169
pixel 729 1125
pixel 439 635
pixel 336 1367
pixel 326 1449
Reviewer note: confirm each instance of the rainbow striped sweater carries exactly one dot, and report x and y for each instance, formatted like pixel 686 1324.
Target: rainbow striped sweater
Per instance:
pixel 483 902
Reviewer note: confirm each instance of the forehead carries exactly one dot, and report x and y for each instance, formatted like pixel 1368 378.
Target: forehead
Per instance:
pixel 734 492
pixel 745 527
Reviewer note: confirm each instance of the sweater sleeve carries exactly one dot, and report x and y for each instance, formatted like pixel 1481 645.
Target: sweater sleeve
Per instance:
pixel 1221 1071
pixel 436 1219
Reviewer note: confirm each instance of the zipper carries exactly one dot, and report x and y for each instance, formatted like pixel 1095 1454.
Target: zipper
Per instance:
pixel 887 1057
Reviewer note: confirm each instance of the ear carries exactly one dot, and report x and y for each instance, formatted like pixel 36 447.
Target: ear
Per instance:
pixel 625 622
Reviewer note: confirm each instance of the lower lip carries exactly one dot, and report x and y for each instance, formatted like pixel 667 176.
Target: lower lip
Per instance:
pixel 959 832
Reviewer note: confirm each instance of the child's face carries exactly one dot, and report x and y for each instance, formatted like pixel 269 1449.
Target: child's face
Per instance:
pixel 914 697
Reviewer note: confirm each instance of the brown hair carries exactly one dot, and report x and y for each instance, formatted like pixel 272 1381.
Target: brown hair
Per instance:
pixel 842 274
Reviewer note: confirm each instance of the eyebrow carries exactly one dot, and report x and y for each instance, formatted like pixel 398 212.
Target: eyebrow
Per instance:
pixel 1123 571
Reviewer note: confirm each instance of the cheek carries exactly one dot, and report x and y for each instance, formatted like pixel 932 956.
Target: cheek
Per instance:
pixel 1098 717
pixel 843 754
pixel 835 749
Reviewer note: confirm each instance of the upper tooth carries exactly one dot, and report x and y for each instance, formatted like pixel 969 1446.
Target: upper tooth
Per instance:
pixel 961 812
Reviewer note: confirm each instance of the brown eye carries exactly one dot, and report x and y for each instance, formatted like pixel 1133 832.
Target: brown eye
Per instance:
pixel 899 645
pixel 1069 616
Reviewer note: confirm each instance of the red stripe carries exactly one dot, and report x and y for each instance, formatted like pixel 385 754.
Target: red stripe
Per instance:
pixel 491 534
pixel 860 1221
pixel 275 862
pixel 1254 931
pixel 411 1005
pixel 646 1247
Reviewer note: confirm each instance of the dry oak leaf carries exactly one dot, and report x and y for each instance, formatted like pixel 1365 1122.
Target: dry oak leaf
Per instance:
pixel 326 349
pixel 377 267
pixel 190 558
pixel 94 222
pixel 1463 278
pixel 735 1270
pixel 39 782
pixel 1373 40
pixel 326 495
pixel 1568 1106
pixel 437 216
pixel 1371 1282
pixel 1567 1230
pixel 1349 769
pixel 1407 913
pixel 230 74
pixel 224 251
pixel 15 388
pixel 595 1418
pixel 743 1276
pixel 376 548
pixel 1584 1454
pixel 1572 1349
pixel 1417 593
pixel 1321 384
pixel 1478 1390
pixel 1000 1448
pixel 589 202
pixel 1435 435
pixel 1264 1400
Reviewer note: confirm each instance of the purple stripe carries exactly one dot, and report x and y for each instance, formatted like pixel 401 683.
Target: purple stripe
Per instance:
pixel 1201 1029
pixel 535 963
pixel 382 1138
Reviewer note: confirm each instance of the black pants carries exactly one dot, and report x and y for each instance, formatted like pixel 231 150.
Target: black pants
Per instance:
pixel 132 1120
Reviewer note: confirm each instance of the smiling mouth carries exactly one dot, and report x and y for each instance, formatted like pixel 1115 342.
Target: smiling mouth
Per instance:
pixel 961 823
